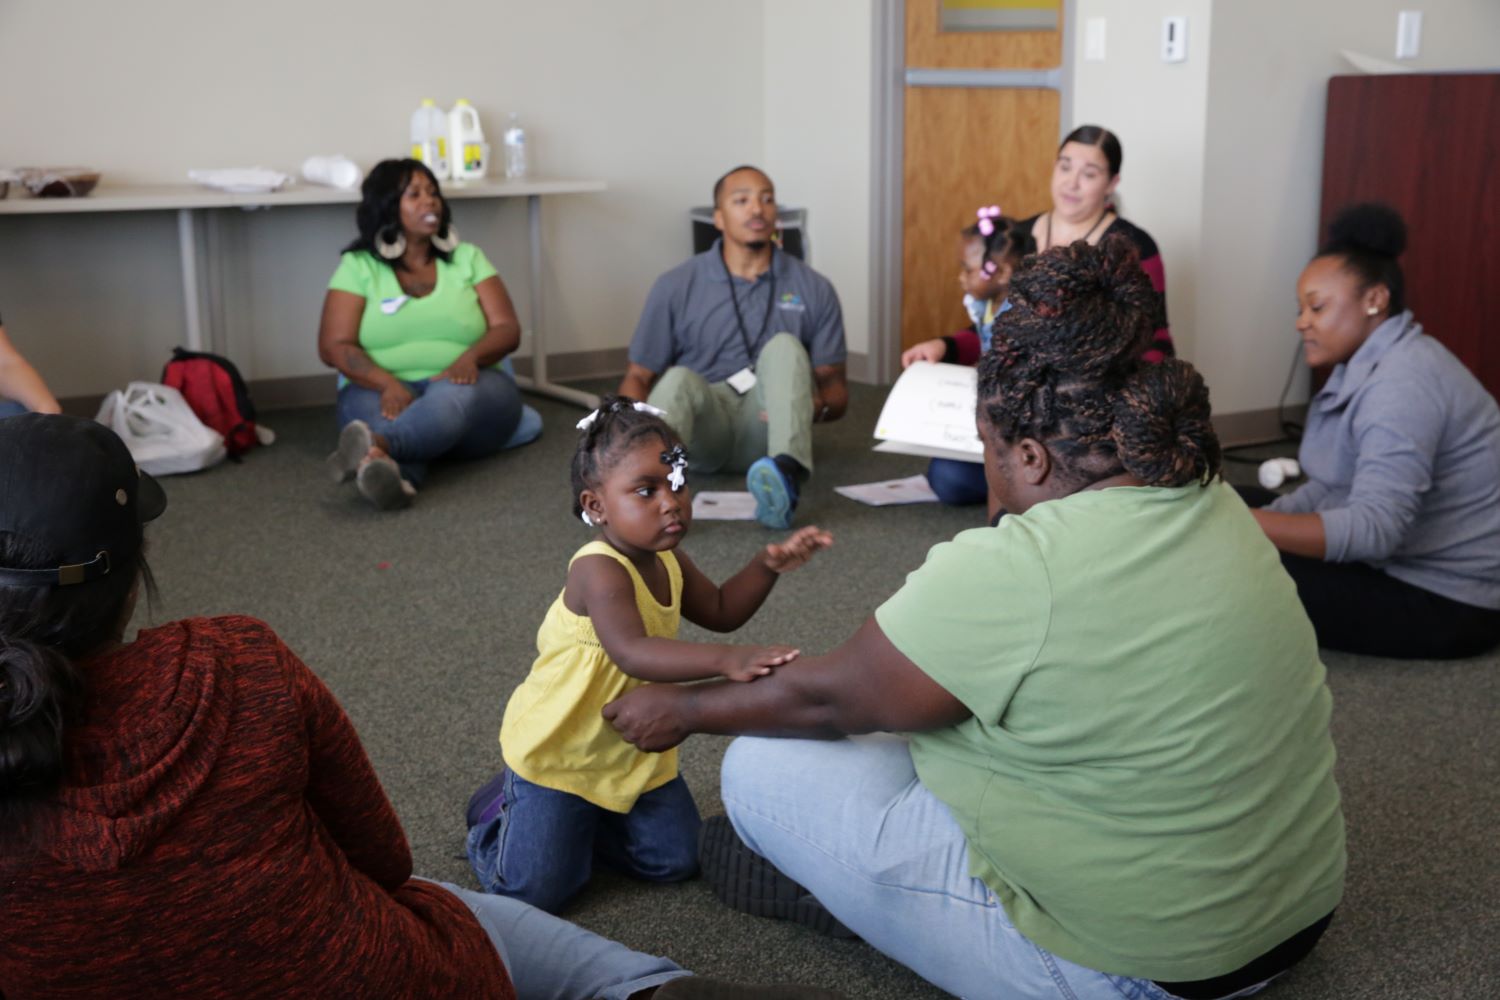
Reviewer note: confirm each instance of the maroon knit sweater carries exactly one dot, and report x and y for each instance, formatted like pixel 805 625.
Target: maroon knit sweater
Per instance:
pixel 221 833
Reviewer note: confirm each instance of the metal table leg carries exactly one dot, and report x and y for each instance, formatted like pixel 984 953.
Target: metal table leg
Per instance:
pixel 538 381
pixel 187 246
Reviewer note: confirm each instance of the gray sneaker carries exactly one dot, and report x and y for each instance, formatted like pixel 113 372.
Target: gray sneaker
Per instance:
pixel 379 481
pixel 355 441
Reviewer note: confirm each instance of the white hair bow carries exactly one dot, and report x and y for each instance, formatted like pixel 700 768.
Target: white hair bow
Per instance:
pixel 588 421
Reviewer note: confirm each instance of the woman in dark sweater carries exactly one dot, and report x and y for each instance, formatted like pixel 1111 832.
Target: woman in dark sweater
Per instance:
pixel 1084 177
pixel 191 814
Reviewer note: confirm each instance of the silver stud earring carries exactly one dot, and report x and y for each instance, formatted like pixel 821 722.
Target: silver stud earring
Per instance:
pixel 390 249
pixel 1371 311
pixel 446 243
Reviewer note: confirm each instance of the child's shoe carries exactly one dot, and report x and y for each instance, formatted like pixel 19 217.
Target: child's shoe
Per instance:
pixel 773 483
pixel 485 803
pixel 745 881
pixel 701 988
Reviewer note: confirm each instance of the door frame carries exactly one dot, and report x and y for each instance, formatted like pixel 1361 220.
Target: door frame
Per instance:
pixel 889 79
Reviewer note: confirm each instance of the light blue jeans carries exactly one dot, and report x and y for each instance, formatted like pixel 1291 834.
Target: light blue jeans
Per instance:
pixel 549 958
pixel 446 420
pixel 850 820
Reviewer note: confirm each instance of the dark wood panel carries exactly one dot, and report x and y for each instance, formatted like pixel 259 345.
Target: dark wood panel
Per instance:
pixel 1429 145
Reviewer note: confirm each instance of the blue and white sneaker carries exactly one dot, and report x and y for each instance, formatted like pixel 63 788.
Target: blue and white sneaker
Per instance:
pixel 774 491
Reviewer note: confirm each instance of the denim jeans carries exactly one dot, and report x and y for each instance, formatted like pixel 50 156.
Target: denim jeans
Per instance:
pixel 551 959
pixel 850 820
pixel 957 483
pixel 10 408
pixel 541 845
pixel 446 420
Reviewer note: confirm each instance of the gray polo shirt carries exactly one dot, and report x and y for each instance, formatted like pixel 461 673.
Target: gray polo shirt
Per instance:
pixel 1402 454
pixel 689 317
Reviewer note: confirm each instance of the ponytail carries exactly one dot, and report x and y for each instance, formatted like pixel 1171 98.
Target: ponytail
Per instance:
pixel 39 688
pixel 44 631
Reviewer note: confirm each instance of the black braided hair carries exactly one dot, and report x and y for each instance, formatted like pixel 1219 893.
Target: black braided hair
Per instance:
pixel 1007 243
pixel 1369 238
pixel 1065 369
pixel 618 426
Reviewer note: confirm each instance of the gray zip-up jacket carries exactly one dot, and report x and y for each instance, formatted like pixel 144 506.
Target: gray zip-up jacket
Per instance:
pixel 1402 455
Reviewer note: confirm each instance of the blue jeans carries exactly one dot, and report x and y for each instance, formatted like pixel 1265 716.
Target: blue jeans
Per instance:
pixel 10 408
pixel 551 959
pixel 850 820
pixel 541 845
pixel 446 420
pixel 957 483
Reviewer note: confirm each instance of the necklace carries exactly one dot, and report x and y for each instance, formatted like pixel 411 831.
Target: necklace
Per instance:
pixel 1097 223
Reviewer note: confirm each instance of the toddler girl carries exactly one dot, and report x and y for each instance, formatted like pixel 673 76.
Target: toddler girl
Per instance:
pixel 989 252
pixel 572 790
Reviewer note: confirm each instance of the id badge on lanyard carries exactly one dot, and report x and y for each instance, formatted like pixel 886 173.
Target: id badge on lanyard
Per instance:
pixel 743 380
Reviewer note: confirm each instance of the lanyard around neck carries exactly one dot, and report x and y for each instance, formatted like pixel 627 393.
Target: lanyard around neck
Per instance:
pixel 739 320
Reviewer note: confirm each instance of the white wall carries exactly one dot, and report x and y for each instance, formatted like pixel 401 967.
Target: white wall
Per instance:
pixel 1262 164
pixel 817 130
pixel 1160 112
pixel 1223 154
pixel 655 97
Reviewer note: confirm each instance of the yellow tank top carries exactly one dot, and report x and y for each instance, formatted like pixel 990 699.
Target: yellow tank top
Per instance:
pixel 553 734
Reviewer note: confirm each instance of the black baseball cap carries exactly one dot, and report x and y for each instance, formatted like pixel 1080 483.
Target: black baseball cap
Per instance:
pixel 71 487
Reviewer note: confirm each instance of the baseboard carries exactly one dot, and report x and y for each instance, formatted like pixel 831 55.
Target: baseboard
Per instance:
pixel 1255 426
pixel 579 364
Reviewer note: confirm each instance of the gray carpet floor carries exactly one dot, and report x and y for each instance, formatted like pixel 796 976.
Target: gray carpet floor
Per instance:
pixel 422 622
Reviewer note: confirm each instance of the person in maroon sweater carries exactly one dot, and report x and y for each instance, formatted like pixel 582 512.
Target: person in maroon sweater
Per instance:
pixel 192 814
pixel 1084 177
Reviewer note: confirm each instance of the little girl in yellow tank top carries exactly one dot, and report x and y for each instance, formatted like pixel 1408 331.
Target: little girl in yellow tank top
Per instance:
pixel 572 790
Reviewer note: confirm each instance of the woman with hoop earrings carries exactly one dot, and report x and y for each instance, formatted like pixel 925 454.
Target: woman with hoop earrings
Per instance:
pixel 418 325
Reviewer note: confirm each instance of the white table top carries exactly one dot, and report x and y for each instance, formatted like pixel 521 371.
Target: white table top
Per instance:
pixel 159 197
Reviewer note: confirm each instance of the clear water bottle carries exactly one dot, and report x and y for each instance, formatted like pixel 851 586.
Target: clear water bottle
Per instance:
pixel 515 149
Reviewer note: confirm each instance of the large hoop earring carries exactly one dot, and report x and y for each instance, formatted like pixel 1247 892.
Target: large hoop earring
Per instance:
pixel 390 249
pixel 446 243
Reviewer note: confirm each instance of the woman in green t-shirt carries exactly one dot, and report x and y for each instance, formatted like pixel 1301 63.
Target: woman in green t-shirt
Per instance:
pixel 1118 774
pixel 418 325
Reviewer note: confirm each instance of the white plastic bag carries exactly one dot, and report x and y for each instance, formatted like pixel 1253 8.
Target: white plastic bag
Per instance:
pixel 163 433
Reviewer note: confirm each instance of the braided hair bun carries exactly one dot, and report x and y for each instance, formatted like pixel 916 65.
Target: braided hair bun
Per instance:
pixel 1065 369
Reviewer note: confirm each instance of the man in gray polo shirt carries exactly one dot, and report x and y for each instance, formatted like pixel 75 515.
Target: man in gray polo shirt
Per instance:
pixel 743 346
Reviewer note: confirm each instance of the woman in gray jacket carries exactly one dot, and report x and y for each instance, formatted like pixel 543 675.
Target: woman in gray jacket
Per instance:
pixel 1394 540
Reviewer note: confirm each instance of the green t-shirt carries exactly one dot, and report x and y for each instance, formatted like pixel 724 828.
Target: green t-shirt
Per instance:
pixel 416 338
pixel 1147 780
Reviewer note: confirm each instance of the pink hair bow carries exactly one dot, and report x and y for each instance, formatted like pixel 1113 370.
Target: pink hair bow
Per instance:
pixel 987 214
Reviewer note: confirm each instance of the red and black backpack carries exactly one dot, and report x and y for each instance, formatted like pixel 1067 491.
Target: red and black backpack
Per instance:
pixel 214 389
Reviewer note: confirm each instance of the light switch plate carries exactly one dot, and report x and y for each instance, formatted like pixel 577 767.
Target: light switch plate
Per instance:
pixel 1174 39
pixel 1093 39
pixel 1408 34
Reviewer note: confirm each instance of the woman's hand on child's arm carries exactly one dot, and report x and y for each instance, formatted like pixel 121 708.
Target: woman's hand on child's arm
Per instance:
pixel 745 663
pixel 802 545
pixel 933 350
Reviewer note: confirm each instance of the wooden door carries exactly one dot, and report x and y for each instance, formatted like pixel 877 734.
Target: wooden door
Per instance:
pixel 1427 145
pixel 966 146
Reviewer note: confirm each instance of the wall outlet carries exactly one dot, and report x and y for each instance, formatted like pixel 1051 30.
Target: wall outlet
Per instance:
pixel 1408 34
pixel 1174 39
pixel 1093 39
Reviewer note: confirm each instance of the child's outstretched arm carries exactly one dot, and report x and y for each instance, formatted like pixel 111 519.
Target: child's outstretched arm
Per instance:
pixel 600 588
pixel 726 608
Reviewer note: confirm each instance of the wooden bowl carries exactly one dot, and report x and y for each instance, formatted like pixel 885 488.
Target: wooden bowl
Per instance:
pixel 59 182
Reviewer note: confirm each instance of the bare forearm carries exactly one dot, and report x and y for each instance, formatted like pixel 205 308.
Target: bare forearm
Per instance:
pixel 21 382
pixel 358 367
pixel 498 341
pixel 801 699
pixel 742 595
pixel 667 660
pixel 1298 534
